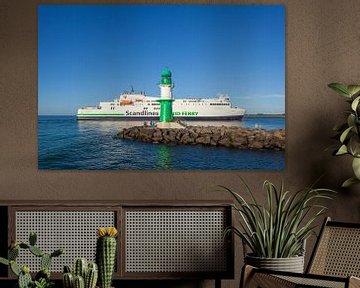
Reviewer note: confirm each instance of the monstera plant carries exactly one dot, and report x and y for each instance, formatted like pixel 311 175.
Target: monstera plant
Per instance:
pixel 349 132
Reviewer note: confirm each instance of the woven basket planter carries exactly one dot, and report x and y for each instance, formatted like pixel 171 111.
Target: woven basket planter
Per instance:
pixel 291 264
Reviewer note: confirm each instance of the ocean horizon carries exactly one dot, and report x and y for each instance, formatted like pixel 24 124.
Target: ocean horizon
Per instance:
pixel 67 144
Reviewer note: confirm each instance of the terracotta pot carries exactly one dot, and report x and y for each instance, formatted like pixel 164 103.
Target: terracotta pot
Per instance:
pixel 291 264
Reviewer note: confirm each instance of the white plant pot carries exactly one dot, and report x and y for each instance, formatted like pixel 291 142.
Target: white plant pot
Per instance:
pixel 291 264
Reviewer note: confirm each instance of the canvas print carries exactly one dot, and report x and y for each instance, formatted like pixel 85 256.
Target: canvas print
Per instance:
pixel 161 87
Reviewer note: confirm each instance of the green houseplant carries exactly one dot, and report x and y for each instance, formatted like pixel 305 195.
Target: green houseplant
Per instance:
pixel 348 132
pixel 42 278
pixel 279 229
pixel 84 274
pixel 106 254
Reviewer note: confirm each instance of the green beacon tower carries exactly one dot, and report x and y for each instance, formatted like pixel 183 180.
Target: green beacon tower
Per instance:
pixel 166 99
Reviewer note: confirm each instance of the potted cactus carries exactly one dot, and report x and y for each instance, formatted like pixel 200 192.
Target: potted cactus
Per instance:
pixel 42 278
pixel 84 275
pixel 106 254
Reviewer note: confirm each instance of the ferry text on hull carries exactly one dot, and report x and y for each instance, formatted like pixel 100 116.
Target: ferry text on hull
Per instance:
pixel 137 106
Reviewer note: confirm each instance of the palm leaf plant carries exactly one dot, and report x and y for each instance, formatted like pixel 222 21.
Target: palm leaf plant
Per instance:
pixel 279 229
pixel 348 132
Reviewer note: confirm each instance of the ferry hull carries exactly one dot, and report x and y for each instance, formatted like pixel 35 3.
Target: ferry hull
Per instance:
pixel 156 118
pixel 137 106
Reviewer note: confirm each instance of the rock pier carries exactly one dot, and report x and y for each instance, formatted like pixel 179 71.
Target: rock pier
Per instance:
pixel 232 137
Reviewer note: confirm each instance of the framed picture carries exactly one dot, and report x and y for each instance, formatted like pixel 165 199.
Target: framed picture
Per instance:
pixel 161 87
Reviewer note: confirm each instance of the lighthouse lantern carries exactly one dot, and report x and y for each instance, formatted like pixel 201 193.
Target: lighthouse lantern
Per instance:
pixel 166 98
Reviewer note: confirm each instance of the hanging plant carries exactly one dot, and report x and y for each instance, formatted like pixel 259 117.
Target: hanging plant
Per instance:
pixel 349 132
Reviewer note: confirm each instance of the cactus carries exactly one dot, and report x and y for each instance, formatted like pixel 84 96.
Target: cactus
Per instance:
pixel 45 261
pixel 68 280
pixel 25 269
pixel 36 251
pixel 42 278
pixel 106 254
pixel 67 269
pixel 14 268
pixel 32 238
pixel 13 253
pixel 4 261
pixel 57 252
pixel 24 245
pixel 91 276
pixel 89 272
pixel 44 273
pixel 79 282
pixel 24 280
pixel 80 268
pixel 24 277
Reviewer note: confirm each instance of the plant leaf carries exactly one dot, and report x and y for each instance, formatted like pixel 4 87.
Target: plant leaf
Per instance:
pixel 340 88
pixel 345 134
pixel 351 120
pixel 342 150
pixel 355 103
pixel 279 228
pixel 4 261
pixel 355 145
pixel 349 182
pixel 353 89
pixel 356 167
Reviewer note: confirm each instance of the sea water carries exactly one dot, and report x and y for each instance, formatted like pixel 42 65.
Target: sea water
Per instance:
pixel 67 144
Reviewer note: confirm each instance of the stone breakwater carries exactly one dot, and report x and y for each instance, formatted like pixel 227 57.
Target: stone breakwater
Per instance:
pixel 232 137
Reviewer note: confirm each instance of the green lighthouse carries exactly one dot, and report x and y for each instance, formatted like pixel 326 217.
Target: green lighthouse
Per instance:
pixel 166 99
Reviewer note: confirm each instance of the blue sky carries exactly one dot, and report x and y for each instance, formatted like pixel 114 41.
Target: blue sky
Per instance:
pixel 91 53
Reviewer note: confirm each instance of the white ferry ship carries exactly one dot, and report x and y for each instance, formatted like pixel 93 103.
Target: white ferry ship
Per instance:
pixel 137 106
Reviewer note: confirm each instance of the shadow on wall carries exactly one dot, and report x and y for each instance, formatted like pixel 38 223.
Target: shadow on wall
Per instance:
pixel 333 170
pixel 311 158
